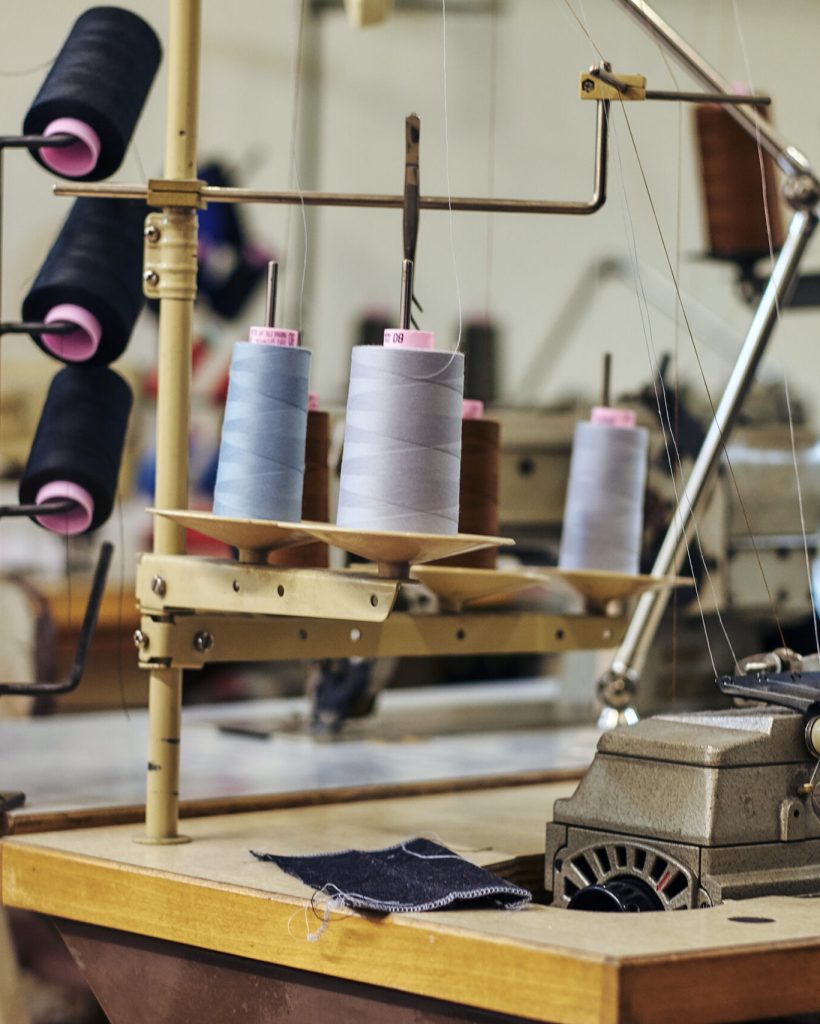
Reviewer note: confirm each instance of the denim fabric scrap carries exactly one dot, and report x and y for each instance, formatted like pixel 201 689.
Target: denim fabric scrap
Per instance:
pixel 411 876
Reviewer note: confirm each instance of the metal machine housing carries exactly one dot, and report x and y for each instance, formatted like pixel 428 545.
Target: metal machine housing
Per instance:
pixel 700 808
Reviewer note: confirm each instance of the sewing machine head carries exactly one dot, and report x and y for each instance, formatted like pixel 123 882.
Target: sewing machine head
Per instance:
pixel 688 810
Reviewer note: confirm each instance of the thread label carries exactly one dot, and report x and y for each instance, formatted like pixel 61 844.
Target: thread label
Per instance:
pixel 397 338
pixel 274 336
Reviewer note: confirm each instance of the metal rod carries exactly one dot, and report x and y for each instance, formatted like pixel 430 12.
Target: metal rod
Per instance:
pixel 56 506
pixel 606 391
pixel 270 293
pixel 631 654
pixel 57 141
pixel 84 637
pixel 38 327
pixel 406 294
pixel 790 159
pixel 685 97
pixel 215 194
pixel 173 414
pixel 725 99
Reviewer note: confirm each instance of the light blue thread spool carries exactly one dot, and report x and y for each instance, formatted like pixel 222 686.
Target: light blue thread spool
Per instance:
pixel 262 453
pixel 402 448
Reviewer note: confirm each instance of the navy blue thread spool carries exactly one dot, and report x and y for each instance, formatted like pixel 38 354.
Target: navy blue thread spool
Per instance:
pixel 94 266
pixel 100 80
pixel 77 448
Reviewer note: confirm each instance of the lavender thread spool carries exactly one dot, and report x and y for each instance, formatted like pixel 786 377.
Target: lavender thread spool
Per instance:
pixel 262 452
pixel 402 448
pixel 603 515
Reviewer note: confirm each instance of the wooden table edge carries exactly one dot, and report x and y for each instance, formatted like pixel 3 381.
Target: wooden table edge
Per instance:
pixel 408 954
pixel 26 821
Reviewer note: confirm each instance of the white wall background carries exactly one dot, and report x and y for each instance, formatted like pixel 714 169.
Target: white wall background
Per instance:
pixel 357 87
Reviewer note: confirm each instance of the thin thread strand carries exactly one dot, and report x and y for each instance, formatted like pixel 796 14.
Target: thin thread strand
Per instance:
pixel 447 170
pixel 786 389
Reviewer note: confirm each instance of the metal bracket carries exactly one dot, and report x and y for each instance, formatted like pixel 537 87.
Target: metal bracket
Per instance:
pixel 170 257
pixel 598 85
pixel 177 193
pixel 191 641
pixel 168 583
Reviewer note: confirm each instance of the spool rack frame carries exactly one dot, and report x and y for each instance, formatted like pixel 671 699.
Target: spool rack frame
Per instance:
pixel 175 637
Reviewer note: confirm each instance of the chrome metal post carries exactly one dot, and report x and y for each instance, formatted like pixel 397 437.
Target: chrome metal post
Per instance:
pixel 790 159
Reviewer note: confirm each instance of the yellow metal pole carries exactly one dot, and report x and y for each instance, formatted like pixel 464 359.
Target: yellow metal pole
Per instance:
pixel 175 282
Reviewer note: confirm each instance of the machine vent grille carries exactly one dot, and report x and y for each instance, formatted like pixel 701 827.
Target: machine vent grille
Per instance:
pixel 604 862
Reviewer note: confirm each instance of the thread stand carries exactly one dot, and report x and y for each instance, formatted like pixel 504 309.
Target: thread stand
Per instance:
pixel 174 642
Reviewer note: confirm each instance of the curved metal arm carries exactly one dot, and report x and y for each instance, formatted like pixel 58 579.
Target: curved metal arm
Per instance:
pixel 215 194
pixel 72 681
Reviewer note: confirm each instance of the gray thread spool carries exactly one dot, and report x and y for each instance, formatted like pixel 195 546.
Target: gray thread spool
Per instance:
pixel 603 515
pixel 402 448
pixel 262 452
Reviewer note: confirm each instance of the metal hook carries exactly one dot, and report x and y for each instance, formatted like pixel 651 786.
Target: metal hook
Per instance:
pixel 72 681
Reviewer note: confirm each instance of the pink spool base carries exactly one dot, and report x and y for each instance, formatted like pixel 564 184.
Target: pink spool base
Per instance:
pixel 472 409
pixel 78 159
pixel 313 401
pixel 69 523
pixel 274 336
pixel 398 338
pixel 610 417
pixel 81 344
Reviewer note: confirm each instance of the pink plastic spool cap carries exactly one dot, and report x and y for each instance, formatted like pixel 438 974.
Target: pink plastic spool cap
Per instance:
pixel 79 345
pixel 395 337
pixel 80 157
pixel 472 409
pixel 313 401
pixel 609 417
pixel 68 523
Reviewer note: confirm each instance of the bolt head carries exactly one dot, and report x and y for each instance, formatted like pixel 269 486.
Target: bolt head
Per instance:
pixel 140 639
pixel 152 233
pixel 587 85
pixel 203 641
pixel 151 277
pixel 158 586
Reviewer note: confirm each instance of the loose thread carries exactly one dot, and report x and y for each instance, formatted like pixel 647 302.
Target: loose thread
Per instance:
pixel 769 238
pixel 447 171
pixel 669 437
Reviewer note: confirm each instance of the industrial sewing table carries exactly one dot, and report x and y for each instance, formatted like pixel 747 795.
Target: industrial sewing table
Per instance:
pixel 203 932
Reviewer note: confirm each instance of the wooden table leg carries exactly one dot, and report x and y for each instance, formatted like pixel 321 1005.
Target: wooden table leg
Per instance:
pixel 13 1008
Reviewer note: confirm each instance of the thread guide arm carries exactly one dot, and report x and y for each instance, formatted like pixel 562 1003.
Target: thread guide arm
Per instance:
pixel 599 83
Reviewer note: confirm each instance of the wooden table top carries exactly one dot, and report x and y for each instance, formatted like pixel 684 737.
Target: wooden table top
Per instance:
pixel 733 962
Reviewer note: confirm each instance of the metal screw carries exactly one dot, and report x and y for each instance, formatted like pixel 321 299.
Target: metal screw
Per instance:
pixel 158 586
pixel 151 277
pixel 587 85
pixel 152 234
pixel 203 641
pixel 140 639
